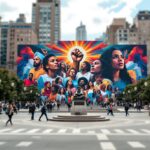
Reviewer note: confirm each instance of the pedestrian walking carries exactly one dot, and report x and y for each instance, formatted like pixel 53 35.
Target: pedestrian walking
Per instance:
pixel 126 107
pixel 32 108
pixel 43 112
pixel 1 108
pixel 15 108
pixel 110 109
pixel 9 113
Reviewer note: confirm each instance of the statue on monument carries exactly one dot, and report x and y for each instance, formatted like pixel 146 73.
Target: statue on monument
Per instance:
pixel 79 96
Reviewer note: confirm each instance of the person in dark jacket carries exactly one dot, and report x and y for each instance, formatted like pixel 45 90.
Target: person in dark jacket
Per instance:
pixel 9 112
pixel 32 108
pixel 43 112
pixel 126 108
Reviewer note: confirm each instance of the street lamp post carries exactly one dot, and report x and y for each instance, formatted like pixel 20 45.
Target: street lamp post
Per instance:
pixel 146 84
pixel 12 85
pixel 135 88
pixel 24 89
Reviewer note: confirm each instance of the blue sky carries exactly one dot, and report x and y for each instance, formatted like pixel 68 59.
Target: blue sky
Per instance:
pixel 95 14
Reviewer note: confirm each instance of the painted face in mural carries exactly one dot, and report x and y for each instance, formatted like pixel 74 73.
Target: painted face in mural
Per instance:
pixel 72 73
pixel 63 65
pixel 48 85
pixel 83 66
pixel 69 82
pixel 117 60
pixel 37 61
pixel 30 76
pixel 52 63
pixel 96 66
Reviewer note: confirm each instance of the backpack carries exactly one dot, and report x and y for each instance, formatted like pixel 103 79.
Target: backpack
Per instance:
pixel 43 109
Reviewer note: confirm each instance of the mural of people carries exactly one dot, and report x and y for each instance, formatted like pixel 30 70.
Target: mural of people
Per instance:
pixel 50 65
pixel 97 69
pixel 37 69
pixel 71 74
pixel 29 81
pixel 117 72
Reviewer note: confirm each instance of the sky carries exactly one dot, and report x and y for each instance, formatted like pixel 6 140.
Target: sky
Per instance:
pixel 95 14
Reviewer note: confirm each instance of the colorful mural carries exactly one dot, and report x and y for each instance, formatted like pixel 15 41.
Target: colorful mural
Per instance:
pixel 92 65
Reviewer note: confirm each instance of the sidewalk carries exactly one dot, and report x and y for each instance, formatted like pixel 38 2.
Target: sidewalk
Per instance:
pixel 93 110
pixel 121 109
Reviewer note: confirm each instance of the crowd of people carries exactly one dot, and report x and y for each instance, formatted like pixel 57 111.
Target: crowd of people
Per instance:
pixel 99 80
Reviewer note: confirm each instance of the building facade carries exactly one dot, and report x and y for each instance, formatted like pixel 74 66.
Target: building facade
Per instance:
pixel 81 34
pixel 112 29
pixel 12 34
pixel 120 32
pixel 46 20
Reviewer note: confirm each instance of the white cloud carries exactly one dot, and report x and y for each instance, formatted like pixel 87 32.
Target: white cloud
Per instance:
pixel 89 11
pixel 21 6
pixel 95 14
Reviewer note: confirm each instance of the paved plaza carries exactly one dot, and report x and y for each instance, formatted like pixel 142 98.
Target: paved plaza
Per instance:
pixel 120 133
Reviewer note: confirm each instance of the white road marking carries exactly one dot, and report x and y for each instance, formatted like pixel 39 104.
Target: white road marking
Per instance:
pixel 147 121
pixel 47 131
pixel 105 131
pixel 135 144
pixel 2 143
pixel 146 131
pixel 119 131
pixel 132 131
pixel 33 130
pixel 76 131
pixel 101 137
pixel 24 144
pixel 107 146
pixel 62 131
pixel 17 131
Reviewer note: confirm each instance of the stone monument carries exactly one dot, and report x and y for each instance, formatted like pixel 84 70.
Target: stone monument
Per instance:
pixel 79 106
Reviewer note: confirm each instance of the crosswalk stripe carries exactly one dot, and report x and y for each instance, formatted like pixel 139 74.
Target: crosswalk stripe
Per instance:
pixel 17 131
pixel 119 131
pixel 47 131
pixel 2 143
pixel 105 131
pixel 33 130
pixel 4 130
pixel 107 146
pixel 145 130
pixel 101 137
pixel 76 131
pixel 147 121
pixel 135 144
pixel 132 131
pixel 62 131
pixel 24 144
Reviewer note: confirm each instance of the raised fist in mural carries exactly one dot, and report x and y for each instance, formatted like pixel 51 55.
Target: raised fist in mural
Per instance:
pixel 76 55
pixel 45 52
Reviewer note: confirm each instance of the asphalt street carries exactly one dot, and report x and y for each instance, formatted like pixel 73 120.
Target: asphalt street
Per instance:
pixel 120 133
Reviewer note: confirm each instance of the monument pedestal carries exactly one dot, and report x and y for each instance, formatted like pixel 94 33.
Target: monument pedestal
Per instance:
pixel 79 107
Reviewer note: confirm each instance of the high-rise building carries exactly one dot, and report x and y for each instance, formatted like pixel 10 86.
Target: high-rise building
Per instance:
pixel 81 34
pixel 46 20
pixel 142 23
pixel 111 30
pixel 21 19
pixel 138 33
pixel 12 34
